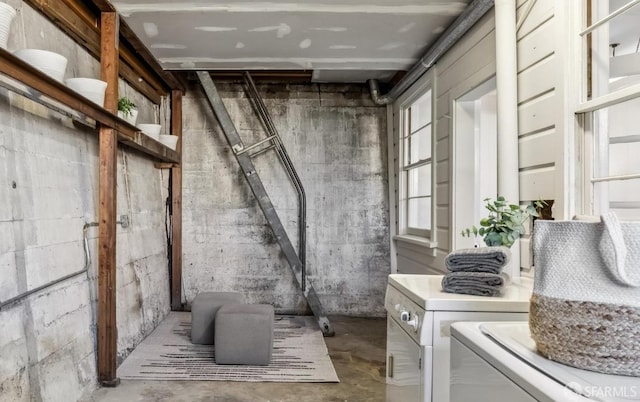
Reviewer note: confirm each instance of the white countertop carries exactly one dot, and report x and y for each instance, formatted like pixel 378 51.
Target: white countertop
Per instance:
pixel 426 291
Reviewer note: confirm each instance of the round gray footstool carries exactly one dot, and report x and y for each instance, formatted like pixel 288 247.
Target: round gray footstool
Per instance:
pixel 203 314
pixel 244 334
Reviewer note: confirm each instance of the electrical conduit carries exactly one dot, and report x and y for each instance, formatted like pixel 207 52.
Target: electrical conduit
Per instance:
pixel 87 264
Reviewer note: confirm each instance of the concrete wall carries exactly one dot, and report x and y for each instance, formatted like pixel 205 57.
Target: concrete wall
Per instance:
pixel 336 139
pixel 49 190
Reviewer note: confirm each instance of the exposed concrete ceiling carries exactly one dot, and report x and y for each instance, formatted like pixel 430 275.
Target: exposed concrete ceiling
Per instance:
pixel 340 40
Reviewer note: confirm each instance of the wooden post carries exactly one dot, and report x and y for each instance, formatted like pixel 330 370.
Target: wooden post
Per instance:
pixel 176 205
pixel 107 326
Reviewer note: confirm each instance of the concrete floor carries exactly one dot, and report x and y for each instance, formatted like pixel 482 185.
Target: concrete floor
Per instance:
pixel 357 352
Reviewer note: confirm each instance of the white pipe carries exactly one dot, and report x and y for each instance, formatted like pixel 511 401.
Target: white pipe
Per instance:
pixel 507 111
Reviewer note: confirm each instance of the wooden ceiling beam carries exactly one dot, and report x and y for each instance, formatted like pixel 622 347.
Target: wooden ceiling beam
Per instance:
pixel 84 10
pixel 139 82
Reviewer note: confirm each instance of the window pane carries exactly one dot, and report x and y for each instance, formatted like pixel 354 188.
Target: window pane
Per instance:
pixel 420 144
pixel 406 145
pixel 624 198
pixel 419 181
pixel 420 112
pixel 406 130
pixel 419 213
pixel 415 140
pixel 617 139
pixel 623 158
pixel 616 144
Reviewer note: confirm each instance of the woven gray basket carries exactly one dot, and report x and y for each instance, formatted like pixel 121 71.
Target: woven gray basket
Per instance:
pixel 585 308
pixel 592 336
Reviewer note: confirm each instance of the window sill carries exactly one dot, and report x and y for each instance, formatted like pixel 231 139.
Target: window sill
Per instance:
pixel 416 240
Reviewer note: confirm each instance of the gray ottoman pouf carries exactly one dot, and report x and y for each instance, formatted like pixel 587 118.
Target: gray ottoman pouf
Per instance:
pixel 203 314
pixel 244 334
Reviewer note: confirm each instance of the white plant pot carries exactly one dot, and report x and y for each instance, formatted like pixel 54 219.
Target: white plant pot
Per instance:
pixel 169 140
pixel 131 118
pixel 50 63
pixel 90 88
pixel 152 130
pixel 7 14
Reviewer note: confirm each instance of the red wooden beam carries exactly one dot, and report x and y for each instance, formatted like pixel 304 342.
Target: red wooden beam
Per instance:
pixel 176 206
pixel 107 325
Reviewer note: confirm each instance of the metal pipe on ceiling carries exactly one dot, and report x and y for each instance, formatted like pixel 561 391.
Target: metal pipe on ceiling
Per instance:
pixel 472 14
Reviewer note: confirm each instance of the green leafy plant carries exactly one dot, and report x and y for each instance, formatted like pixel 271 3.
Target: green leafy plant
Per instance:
pixel 125 105
pixel 505 223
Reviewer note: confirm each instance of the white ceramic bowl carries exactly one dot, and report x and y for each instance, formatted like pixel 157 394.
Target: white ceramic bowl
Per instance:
pixel 152 130
pixel 90 88
pixel 7 14
pixel 169 140
pixel 50 63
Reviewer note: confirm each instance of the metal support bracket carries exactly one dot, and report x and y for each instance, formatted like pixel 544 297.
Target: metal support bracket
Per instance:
pixel 259 191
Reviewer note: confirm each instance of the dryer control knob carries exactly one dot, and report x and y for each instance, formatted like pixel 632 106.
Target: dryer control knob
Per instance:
pixel 405 316
pixel 414 322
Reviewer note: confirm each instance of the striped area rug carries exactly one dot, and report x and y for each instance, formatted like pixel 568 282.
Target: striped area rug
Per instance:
pixel 299 355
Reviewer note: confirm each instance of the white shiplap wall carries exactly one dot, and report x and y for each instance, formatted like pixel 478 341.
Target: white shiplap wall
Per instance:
pixel 539 106
pixel 468 64
pixel 541 115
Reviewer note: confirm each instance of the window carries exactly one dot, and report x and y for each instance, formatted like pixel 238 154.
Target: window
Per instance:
pixel 608 113
pixel 416 164
pixel 475 162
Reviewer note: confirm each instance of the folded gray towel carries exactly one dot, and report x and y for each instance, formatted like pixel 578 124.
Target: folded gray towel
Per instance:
pixel 481 259
pixel 473 283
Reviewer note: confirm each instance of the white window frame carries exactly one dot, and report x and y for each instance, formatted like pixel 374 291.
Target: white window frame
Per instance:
pixel 422 237
pixel 591 152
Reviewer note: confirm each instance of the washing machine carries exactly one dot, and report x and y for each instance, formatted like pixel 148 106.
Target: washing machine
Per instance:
pixel 498 361
pixel 419 315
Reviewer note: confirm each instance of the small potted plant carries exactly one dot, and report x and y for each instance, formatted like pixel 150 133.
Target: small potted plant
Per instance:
pixel 127 110
pixel 505 223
